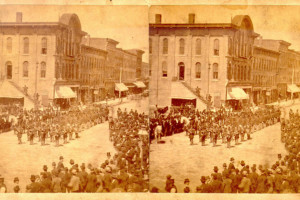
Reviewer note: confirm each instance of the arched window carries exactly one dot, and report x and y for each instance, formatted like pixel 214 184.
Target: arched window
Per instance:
pixel 9 45
pixel 150 45
pixel 25 69
pixel 44 46
pixel 216 47
pixel 26 45
pixel 198 47
pixel 43 70
pixel 164 69
pixel 181 46
pixel 215 71
pixel 165 46
pixel 8 70
pixel 198 70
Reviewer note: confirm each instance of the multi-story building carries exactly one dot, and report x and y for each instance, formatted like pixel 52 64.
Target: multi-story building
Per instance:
pixel 42 57
pixel 264 74
pixel 122 66
pixel 282 74
pixel 92 74
pixel 145 72
pixel 213 58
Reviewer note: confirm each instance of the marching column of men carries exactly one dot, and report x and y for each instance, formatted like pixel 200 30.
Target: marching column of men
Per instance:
pixel 57 125
pixel 283 176
pixel 225 125
pixel 125 171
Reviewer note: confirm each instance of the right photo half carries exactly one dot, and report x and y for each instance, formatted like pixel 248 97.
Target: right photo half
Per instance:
pixel 224 99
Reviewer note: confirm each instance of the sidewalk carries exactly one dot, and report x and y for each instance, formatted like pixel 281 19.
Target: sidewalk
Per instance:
pixel 285 103
pixel 114 102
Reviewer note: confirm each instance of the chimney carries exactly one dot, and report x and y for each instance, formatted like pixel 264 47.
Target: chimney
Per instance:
pixel 191 18
pixel 158 18
pixel 19 17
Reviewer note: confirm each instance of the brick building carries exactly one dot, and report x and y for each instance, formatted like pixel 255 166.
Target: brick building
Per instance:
pixel 92 76
pixel 42 58
pixel 215 58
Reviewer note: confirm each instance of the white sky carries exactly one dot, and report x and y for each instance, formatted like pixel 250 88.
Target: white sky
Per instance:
pixel 126 24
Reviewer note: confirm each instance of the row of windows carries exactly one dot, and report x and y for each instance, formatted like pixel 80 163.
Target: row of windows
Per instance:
pixel 67 71
pixel 25 69
pixel 165 46
pixel 26 45
pixel 197 70
pixel 264 80
pixel 263 64
pixel 238 73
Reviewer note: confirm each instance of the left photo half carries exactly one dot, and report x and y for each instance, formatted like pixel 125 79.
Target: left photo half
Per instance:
pixel 74 99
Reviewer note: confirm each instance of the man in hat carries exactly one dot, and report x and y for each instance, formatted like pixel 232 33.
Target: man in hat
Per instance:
pixel 74 184
pixel 187 187
pixel 204 187
pixel 3 188
pixel 48 174
pixel 228 138
pixel 168 183
pixel 245 183
pixel 219 175
pixel 33 187
pixel 16 187
pixel 60 164
pixel 216 184
pixel 278 180
pixel 83 176
pixel 253 176
pixel 191 133
pixel 231 164
pixel 173 187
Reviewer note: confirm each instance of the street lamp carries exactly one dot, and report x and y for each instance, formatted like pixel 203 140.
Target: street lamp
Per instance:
pixel 208 95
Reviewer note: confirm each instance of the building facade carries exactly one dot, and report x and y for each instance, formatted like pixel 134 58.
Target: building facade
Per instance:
pixel 122 66
pixel 213 58
pixel 264 75
pixel 92 76
pixel 42 57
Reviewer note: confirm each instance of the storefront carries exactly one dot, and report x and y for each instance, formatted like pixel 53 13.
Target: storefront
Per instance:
pixel 64 96
pixel 121 90
pixel 293 91
pixel 237 97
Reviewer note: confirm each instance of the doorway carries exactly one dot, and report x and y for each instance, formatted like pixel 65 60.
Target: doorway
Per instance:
pixel 181 71
pixel 8 70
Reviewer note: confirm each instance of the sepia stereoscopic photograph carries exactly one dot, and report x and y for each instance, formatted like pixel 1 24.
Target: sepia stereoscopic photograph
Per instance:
pixel 130 98
pixel 73 99
pixel 224 99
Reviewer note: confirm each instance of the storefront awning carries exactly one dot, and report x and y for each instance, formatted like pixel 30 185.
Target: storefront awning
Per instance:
pixel 7 90
pixel 236 93
pixel 64 92
pixel 139 84
pixel 179 91
pixel 120 87
pixel 293 88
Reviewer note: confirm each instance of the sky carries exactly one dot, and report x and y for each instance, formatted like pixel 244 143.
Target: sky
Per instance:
pixel 271 22
pixel 126 24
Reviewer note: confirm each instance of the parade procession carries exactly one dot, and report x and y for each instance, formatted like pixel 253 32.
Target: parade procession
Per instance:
pixel 149 98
